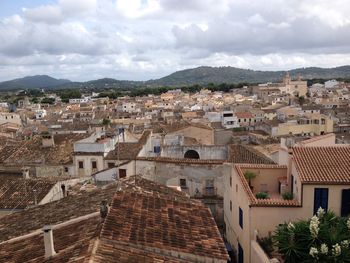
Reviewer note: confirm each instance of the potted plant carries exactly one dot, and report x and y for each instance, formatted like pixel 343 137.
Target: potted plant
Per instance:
pixel 249 175
pixel 262 195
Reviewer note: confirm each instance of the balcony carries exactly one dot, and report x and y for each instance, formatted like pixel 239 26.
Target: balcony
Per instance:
pixel 209 192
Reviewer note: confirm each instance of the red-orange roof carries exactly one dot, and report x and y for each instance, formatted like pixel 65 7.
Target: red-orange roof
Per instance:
pixel 323 164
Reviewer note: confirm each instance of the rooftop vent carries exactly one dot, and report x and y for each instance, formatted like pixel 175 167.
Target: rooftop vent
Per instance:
pixel 104 209
pixel 48 241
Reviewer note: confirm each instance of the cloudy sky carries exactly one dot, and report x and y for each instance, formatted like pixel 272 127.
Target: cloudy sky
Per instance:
pixel 144 39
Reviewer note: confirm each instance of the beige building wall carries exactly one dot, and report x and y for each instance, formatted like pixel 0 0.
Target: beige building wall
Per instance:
pixel 87 170
pixel 316 129
pixel 235 195
pixel 334 198
pixel 266 180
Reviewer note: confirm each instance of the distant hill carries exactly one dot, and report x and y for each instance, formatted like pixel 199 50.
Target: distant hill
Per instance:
pixel 30 82
pixel 205 75
pixel 200 75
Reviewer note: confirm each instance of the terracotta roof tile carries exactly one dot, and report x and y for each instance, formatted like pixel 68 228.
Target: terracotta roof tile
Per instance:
pixel 147 222
pixel 161 223
pixel 324 164
pixel 72 206
pixel 20 193
pixel 245 154
pixel 73 243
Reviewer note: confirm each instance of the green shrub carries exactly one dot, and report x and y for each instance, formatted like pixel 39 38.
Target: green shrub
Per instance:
pixel 324 239
pixel 262 195
pixel 287 196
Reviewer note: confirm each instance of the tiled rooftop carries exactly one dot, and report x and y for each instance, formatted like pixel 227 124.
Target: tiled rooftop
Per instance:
pixel 73 243
pixel 72 206
pixel 147 222
pixel 245 154
pixel 324 164
pixel 18 193
pixel 158 222
pixel 128 151
pixel 32 151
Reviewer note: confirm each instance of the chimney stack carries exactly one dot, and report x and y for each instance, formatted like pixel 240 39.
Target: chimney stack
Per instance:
pixel 48 241
pixel 25 172
pixel 35 197
pixel 47 140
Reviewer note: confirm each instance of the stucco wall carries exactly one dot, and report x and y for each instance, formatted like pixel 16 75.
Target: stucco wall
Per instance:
pixel 257 253
pixel 205 152
pixel 87 159
pixel 50 171
pixel 266 179
pixel 234 233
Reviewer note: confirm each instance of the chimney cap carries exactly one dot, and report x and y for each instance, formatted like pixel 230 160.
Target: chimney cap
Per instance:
pixel 47 228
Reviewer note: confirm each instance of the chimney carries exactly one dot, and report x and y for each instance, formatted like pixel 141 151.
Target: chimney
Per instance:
pixel 47 140
pixel 35 197
pixel 48 241
pixel 25 172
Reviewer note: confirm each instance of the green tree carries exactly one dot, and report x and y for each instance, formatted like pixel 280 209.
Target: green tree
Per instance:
pixel 323 238
pixel 249 175
pixel 106 121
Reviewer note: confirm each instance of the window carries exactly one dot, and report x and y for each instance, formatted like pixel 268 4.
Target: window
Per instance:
pixel 110 165
pixel 320 199
pixel 66 169
pixel 122 173
pixel 240 218
pixel 94 165
pixel 81 164
pixel 230 205
pixel 231 181
pixel 240 254
pixel 183 183
pixel 156 149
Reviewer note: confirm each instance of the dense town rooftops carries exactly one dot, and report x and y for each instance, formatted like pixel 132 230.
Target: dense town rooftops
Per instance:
pixel 323 165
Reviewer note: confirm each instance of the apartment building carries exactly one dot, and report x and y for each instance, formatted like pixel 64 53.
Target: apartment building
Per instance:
pixel 317 176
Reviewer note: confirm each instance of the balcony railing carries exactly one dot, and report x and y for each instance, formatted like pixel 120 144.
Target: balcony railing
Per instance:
pixel 209 191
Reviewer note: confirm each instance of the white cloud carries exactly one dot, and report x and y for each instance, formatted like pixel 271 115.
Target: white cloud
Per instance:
pixel 47 13
pixel 141 39
pixel 137 8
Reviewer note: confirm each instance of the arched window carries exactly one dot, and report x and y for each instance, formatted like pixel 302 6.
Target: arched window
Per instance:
pixel 191 154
